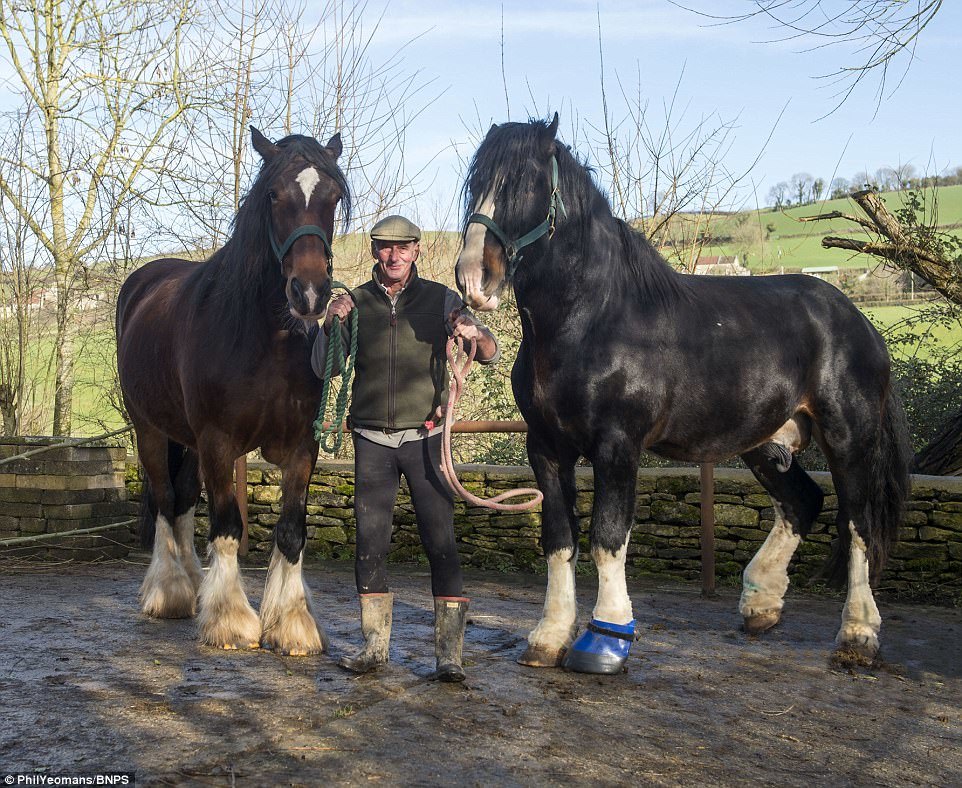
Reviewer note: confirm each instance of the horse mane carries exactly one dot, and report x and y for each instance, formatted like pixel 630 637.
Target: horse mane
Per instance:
pixel 635 267
pixel 237 279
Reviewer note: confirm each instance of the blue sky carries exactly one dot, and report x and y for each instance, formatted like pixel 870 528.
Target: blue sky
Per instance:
pixel 738 72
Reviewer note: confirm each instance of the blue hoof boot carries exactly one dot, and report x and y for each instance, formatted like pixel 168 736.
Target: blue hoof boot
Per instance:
pixel 601 648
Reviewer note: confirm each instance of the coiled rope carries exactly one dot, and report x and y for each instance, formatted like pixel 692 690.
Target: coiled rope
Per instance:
pixel 329 432
pixel 460 362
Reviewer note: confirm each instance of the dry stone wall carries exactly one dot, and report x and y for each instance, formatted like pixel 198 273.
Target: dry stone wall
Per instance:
pixel 665 536
pixel 63 489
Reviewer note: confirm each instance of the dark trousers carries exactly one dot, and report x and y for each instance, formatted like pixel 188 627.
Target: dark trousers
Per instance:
pixel 377 474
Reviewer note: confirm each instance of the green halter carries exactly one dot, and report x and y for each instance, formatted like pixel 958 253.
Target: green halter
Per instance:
pixel 304 229
pixel 513 248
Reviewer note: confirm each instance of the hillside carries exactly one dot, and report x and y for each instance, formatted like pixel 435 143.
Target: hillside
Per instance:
pixel 773 240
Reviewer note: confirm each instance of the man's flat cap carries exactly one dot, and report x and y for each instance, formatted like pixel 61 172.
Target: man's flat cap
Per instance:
pixel 395 228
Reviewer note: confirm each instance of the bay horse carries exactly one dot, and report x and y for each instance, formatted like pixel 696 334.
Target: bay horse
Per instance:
pixel 214 361
pixel 620 353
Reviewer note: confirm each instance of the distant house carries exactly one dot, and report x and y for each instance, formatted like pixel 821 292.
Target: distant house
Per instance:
pixel 828 272
pixel 720 265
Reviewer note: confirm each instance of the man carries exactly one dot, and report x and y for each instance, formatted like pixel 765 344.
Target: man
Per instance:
pixel 397 401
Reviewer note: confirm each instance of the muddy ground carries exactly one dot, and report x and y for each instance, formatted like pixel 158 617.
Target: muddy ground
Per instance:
pixel 88 684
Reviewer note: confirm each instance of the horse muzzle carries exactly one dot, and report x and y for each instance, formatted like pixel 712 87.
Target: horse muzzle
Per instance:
pixel 307 301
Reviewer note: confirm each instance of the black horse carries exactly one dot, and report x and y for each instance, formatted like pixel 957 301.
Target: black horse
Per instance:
pixel 214 361
pixel 620 353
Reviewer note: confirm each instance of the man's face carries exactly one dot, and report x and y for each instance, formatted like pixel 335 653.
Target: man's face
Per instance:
pixel 395 259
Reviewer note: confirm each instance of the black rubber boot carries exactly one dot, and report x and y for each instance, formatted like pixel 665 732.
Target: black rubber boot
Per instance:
pixel 450 616
pixel 376 615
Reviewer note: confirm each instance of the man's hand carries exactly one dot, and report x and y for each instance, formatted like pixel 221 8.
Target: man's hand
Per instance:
pixel 341 307
pixel 468 328
pixel 464 326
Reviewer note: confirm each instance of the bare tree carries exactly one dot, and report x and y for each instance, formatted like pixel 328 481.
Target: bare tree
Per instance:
pixel 777 194
pixel 839 188
pixel 910 239
pixel 22 300
pixel 801 186
pixel 106 84
pixel 666 171
pixel 878 34
pixel 818 188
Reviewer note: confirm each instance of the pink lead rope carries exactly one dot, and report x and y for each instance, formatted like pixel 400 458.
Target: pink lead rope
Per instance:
pixel 459 372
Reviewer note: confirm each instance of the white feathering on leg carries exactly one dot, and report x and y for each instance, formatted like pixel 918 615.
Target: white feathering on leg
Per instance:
pixel 184 537
pixel 765 579
pixel 226 618
pixel 861 621
pixel 559 621
pixel 287 616
pixel 167 590
pixel 613 604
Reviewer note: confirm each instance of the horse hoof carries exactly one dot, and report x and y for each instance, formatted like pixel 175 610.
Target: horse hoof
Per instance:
pixel 761 622
pixel 541 657
pixel 602 648
pixel 234 646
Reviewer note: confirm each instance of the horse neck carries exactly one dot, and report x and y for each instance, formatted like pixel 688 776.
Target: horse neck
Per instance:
pixel 571 283
pixel 250 310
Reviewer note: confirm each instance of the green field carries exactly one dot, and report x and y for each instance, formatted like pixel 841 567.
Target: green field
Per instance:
pixel 779 240
pixel 890 319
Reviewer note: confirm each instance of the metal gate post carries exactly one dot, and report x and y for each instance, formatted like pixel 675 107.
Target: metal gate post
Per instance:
pixel 707 529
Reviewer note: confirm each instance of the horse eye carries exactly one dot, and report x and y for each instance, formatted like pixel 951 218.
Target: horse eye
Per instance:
pixel 272 195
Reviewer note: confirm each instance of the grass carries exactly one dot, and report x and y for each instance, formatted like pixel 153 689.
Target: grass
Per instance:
pixel 892 318
pixel 777 239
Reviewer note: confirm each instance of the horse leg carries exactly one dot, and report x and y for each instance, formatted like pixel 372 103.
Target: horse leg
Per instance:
pixel 226 618
pixel 287 616
pixel 869 453
pixel 797 501
pixel 167 590
pixel 554 633
pixel 187 486
pixel 603 647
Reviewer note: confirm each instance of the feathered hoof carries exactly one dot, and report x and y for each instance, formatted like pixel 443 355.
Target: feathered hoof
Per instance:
pixel 761 622
pixel 542 656
pixel 172 597
pixel 240 629
pixel 856 645
pixel 296 635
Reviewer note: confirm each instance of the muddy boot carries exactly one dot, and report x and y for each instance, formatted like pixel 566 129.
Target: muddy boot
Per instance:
pixel 450 614
pixel 376 613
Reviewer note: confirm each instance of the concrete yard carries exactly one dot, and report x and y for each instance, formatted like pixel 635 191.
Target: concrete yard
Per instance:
pixel 88 684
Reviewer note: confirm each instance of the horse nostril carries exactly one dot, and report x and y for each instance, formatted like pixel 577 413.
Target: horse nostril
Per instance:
pixel 297 289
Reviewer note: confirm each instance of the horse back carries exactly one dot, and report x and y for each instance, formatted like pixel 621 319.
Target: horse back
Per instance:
pixel 151 312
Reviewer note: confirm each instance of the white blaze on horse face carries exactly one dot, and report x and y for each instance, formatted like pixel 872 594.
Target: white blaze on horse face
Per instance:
pixel 558 625
pixel 471 260
pixel 310 295
pixel 765 580
pixel 861 621
pixel 613 605
pixel 308 180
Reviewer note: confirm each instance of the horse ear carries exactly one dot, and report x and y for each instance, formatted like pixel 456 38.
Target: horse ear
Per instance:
pixel 263 146
pixel 549 136
pixel 493 127
pixel 334 145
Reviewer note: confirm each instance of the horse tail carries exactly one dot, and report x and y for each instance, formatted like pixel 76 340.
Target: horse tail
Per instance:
pixel 148 503
pixel 889 484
